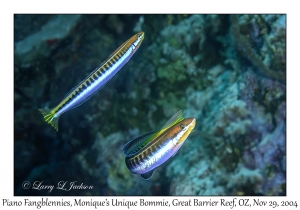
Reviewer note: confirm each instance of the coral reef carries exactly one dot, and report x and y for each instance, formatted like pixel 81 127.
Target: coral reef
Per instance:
pixel 226 71
pixel 51 33
pixel 240 141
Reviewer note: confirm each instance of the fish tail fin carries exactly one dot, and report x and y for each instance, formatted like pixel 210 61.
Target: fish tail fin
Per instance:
pixel 50 117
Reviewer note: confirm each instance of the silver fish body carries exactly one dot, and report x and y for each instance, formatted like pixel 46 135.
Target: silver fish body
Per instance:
pixel 97 79
pixel 160 149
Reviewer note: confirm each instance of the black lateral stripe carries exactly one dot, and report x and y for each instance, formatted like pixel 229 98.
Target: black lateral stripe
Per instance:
pixel 155 147
pixel 91 79
pixel 139 159
pixel 150 151
pixel 112 61
pixel 133 163
pixel 83 85
pixel 103 69
pixel 96 74
pixel 124 51
pixel 136 161
pixel 130 164
pixel 88 82
pixel 94 77
pixel 100 72
pixel 117 56
pixel 79 89
pixel 107 66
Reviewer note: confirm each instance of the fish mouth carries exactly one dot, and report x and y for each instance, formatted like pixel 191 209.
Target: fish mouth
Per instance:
pixel 142 34
pixel 138 39
pixel 191 122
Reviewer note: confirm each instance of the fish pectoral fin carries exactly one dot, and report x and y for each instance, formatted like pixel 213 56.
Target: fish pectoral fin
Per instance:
pixel 136 144
pixel 147 175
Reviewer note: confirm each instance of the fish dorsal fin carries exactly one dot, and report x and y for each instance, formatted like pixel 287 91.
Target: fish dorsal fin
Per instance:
pixel 133 146
pixel 138 143
pixel 117 50
pixel 147 175
pixel 70 91
pixel 176 118
pixel 173 120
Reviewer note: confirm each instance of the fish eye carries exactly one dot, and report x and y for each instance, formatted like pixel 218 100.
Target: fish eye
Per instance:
pixel 182 126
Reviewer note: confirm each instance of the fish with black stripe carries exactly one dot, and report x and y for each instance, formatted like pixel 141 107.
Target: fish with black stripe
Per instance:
pixel 97 79
pixel 145 153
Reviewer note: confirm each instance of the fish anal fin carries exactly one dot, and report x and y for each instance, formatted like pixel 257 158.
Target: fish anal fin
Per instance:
pixel 147 175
